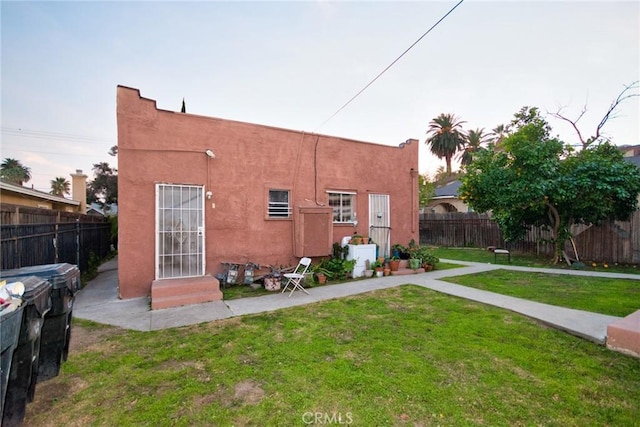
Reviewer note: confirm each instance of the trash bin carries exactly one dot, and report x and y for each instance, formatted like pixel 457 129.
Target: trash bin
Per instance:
pixel 21 386
pixel 10 320
pixel 56 331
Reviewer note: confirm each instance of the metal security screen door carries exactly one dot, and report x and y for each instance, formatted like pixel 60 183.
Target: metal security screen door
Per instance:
pixel 179 231
pixel 379 223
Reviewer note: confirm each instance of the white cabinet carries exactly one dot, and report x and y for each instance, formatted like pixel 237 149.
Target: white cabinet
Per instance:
pixel 361 253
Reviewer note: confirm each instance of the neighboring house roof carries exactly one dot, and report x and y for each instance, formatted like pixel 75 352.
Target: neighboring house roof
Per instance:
pixel 36 194
pixel 96 209
pixel 635 160
pixel 448 191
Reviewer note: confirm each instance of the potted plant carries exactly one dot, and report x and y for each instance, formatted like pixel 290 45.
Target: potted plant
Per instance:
pixel 365 240
pixel 399 251
pixel 368 271
pixel 347 267
pixel 321 273
pixel 415 263
pixel 356 239
pixel 394 263
pixel 378 267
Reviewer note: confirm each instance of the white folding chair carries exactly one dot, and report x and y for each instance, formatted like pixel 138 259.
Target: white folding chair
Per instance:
pixel 294 279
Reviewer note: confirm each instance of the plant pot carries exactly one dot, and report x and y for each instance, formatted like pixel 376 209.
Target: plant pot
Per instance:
pixel 414 263
pixel 394 264
pixel 379 272
pixel 368 273
pixel 272 283
pixel 322 278
pixel 356 240
pixel 386 271
pixel 427 267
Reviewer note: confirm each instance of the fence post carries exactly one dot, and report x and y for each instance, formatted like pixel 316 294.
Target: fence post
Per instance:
pixel 78 242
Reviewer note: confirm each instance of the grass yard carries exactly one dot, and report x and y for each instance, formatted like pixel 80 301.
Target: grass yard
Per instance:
pixel 482 255
pixel 397 357
pixel 615 297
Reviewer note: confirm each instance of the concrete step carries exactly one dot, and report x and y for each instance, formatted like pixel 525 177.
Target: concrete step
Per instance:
pixel 177 292
pixel 624 335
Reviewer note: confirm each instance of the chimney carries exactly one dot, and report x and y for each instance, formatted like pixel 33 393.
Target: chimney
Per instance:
pixel 79 189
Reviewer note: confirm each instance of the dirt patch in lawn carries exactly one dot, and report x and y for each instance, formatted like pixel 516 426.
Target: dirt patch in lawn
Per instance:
pixel 49 393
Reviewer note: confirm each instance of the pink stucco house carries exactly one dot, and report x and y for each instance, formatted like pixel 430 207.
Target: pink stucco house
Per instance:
pixel 197 191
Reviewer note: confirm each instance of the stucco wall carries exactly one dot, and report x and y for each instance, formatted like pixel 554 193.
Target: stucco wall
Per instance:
pixel 156 146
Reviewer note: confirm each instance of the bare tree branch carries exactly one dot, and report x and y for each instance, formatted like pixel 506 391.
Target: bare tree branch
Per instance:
pixel 626 93
pixel 621 97
pixel 574 123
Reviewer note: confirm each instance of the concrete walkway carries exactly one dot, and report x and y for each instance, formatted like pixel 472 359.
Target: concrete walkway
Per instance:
pixel 99 302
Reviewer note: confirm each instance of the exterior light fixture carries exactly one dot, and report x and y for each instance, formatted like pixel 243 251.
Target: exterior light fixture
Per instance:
pixel 210 154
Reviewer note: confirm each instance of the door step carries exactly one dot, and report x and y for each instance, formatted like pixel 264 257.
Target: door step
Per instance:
pixel 177 292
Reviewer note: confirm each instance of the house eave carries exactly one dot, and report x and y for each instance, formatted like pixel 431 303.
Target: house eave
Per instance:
pixel 36 194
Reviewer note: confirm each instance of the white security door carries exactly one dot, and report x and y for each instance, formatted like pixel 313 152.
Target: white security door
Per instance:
pixel 179 231
pixel 379 222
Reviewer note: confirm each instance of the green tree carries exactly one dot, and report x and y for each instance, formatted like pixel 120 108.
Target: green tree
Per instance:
pixel 539 181
pixel 104 187
pixel 426 190
pixel 60 186
pixel 473 141
pixel 14 172
pixel 445 137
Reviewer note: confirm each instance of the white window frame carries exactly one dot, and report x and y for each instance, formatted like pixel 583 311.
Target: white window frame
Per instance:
pixel 279 210
pixel 177 233
pixel 341 208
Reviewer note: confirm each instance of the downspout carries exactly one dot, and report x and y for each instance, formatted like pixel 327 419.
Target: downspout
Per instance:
pixel 293 194
pixel 414 195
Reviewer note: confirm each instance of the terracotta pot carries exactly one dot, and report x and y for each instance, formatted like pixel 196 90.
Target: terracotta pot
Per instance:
pixel 322 279
pixel 394 264
pixel 386 271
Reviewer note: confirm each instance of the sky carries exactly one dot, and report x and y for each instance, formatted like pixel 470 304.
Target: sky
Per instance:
pixel 294 64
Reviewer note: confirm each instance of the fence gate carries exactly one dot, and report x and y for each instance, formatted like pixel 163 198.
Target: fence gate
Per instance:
pixel 379 222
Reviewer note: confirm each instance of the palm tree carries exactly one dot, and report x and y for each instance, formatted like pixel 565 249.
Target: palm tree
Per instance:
pixel 60 186
pixel 445 137
pixel 473 142
pixel 499 133
pixel 14 172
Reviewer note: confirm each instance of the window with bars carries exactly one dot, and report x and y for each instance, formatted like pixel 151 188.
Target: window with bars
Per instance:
pixel 279 206
pixel 343 206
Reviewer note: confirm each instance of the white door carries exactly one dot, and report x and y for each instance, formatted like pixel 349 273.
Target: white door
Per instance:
pixel 179 231
pixel 379 222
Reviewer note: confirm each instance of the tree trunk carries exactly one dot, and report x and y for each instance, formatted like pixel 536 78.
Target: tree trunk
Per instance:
pixel 554 218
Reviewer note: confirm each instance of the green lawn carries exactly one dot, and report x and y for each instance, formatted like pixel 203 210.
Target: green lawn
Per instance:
pixel 397 357
pixel 482 255
pixel 615 297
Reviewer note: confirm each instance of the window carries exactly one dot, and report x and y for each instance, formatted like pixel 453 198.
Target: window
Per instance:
pixel 179 231
pixel 342 204
pixel 279 204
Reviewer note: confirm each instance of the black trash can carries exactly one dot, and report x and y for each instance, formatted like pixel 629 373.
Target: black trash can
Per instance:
pixel 10 321
pixel 56 332
pixel 23 375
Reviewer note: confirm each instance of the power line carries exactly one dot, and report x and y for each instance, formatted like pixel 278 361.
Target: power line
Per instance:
pixel 390 65
pixel 28 133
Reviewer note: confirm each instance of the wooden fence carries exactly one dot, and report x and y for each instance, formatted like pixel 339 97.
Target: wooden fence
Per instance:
pixel 32 236
pixel 612 242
